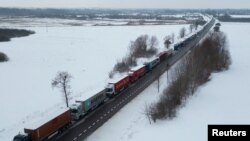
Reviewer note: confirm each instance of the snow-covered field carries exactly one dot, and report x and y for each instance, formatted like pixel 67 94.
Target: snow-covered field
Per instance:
pixel 87 53
pixel 55 22
pixel 223 100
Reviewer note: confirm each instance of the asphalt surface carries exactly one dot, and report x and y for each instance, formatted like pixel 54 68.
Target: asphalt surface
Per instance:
pixel 83 128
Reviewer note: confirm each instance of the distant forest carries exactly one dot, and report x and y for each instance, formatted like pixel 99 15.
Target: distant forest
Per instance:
pixel 84 14
pixel 229 18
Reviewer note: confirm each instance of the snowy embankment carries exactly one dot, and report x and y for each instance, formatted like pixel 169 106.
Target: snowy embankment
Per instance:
pixel 87 53
pixel 223 100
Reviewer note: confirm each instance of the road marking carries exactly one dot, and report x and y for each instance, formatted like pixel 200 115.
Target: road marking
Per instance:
pixel 80 134
pixel 93 124
pixel 97 120
pixel 89 127
pixel 105 115
pixel 101 117
pixel 75 139
pixel 84 131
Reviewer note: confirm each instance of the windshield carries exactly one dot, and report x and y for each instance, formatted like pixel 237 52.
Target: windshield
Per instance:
pixel 109 90
pixel 74 111
pixel 18 138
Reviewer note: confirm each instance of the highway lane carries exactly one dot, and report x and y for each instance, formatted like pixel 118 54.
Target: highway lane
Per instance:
pixel 83 128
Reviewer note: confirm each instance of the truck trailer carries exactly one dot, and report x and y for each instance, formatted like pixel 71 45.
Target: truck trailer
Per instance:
pixel 136 73
pixel 43 130
pixel 165 54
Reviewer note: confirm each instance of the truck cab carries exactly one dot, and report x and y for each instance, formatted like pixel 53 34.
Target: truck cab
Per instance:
pixel 110 90
pixel 76 111
pixel 22 137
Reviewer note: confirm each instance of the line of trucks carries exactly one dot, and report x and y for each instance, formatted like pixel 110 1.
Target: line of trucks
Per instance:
pixel 79 109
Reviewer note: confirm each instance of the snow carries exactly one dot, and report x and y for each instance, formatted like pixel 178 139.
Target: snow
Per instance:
pixel 223 100
pixel 240 16
pixel 87 53
pixel 53 114
pixel 142 61
pixel 115 80
pixel 136 68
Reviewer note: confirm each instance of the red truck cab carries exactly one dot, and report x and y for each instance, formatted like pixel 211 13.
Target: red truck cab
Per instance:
pixel 117 85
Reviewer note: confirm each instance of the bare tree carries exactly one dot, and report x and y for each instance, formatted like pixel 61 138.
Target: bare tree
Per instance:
pixel 153 42
pixel 61 81
pixel 167 41
pixel 139 46
pixel 196 24
pixel 111 74
pixel 216 29
pixel 143 46
pixel 172 37
pixel 148 112
pixel 167 69
pixel 182 32
pixel 191 27
pixel 158 81
pixel 3 57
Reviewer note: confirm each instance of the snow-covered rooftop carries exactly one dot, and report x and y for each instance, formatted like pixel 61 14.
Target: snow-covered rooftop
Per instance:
pixel 136 68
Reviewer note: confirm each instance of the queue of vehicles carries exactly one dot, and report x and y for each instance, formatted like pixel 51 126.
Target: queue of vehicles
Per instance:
pixel 81 108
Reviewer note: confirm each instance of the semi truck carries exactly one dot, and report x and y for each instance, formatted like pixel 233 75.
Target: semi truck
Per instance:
pixel 136 73
pixel 82 107
pixel 165 54
pixel 116 86
pixel 43 130
pixel 151 64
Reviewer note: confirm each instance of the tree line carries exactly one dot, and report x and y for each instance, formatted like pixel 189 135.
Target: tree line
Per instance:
pixel 146 46
pixel 7 34
pixel 194 70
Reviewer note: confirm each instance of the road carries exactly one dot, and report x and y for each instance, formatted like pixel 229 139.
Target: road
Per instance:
pixel 83 128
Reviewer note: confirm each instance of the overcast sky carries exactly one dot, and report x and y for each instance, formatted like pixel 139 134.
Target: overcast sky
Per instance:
pixel 126 3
